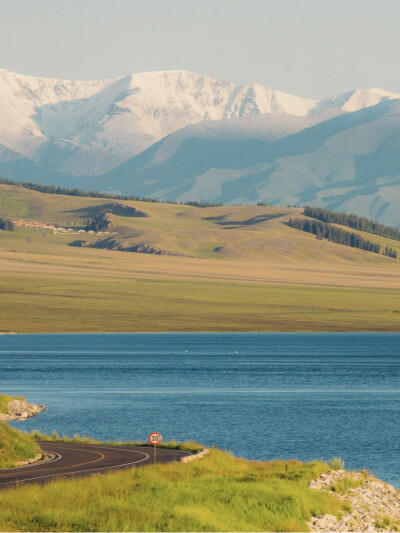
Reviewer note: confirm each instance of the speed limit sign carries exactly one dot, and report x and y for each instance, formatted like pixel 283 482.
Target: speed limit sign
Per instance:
pixel 155 438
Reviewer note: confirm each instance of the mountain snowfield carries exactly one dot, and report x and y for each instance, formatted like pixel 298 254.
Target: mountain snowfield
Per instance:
pixel 180 135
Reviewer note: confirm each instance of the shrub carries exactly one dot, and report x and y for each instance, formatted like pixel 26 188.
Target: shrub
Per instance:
pixel 336 463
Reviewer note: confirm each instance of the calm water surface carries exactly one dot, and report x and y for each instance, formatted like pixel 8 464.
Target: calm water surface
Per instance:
pixel 262 396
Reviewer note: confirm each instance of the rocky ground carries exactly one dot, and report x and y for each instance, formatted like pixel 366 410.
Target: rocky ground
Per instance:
pixel 21 410
pixel 375 505
pixel 40 457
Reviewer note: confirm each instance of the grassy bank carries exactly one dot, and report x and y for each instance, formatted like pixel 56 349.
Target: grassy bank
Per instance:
pixel 218 493
pixel 4 401
pixel 15 446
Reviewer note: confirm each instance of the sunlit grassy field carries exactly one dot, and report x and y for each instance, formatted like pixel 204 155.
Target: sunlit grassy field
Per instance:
pixel 237 269
pixel 217 493
pixel 50 304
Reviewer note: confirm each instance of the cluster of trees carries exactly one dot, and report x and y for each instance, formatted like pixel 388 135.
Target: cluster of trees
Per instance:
pixel 98 223
pixel 201 203
pixel 50 189
pixel 352 221
pixel 339 236
pixel 390 252
pixel 6 225
pixel 123 210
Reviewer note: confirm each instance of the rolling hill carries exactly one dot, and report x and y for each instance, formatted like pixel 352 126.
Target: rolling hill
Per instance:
pixel 227 268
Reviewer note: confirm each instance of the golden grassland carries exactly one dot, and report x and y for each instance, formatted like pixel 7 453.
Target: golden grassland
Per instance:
pixel 217 493
pixel 239 269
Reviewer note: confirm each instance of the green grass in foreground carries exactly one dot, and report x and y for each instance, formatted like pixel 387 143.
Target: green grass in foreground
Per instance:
pixel 217 493
pixel 15 446
pixel 46 305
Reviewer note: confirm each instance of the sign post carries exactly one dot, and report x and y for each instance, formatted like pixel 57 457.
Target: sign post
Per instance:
pixel 155 439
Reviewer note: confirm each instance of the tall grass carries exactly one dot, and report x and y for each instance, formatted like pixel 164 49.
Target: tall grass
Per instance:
pixel 15 446
pixel 342 486
pixel 336 463
pixel 218 493
pixel 4 401
pixel 387 523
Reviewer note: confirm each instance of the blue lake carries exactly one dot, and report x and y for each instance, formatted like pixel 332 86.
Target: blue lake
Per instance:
pixel 261 396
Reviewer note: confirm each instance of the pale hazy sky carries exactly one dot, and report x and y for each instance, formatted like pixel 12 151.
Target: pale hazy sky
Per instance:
pixel 312 48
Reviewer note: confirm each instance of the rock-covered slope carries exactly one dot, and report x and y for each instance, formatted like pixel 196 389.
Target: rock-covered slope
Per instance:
pixel 375 505
pixel 20 410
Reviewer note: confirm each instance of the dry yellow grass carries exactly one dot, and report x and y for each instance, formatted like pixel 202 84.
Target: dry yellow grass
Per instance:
pixel 105 264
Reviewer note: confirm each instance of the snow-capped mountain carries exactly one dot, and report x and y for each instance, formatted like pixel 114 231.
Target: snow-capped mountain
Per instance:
pixel 89 127
pixel 348 163
pixel 354 100
pixel 94 125
pixel 54 130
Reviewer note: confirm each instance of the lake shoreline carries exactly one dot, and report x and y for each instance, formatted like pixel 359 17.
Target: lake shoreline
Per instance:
pixel 19 409
pixel 295 390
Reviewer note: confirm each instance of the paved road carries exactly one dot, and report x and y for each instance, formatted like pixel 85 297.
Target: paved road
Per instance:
pixel 76 460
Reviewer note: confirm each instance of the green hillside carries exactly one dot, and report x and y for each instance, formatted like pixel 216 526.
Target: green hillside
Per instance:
pixel 225 268
pixel 14 445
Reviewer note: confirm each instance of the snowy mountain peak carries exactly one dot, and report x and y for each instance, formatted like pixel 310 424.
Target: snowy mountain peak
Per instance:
pixel 218 141
pixel 355 100
pixel 110 120
pixel 88 127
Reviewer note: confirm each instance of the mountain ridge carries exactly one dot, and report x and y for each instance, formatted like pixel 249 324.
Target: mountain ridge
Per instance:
pixel 84 134
pixel 338 164
pixel 144 106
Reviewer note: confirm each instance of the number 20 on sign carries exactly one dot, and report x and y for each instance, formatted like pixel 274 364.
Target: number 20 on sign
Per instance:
pixel 155 439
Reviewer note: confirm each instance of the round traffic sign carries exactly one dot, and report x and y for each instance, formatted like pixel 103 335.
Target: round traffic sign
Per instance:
pixel 155 438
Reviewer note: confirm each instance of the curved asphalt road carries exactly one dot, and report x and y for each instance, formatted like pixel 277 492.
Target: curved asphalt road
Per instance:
pixel 76 460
